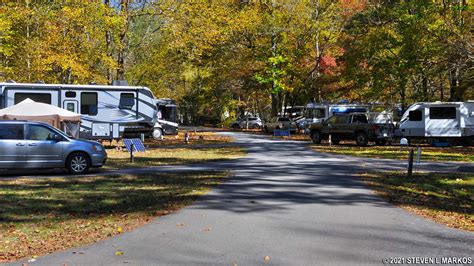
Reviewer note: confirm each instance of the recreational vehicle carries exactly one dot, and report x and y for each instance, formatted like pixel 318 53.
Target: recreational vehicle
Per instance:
pixel 107 112
pixel 167 118
pixel 439 120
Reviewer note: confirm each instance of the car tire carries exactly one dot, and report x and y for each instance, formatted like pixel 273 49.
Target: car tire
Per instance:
pixel 381 142
pixel 157 133
pixel 361 139
pixel 78 163
pixel 316 137
pixel 255 126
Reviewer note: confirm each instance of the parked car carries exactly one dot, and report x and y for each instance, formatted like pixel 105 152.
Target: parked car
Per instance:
pixel 253 122
pixel 280 123
pixel 38 145
pixel 355 126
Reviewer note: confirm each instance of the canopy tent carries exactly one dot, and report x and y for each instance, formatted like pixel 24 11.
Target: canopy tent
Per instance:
pixel 41 112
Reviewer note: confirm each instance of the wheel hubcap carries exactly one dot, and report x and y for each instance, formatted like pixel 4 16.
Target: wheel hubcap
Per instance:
pixel 78 164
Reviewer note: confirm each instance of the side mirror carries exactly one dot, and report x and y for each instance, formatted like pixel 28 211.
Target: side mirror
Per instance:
pixel 58 137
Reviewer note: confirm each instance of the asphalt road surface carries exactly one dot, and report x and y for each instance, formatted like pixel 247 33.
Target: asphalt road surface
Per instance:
pixel 289 203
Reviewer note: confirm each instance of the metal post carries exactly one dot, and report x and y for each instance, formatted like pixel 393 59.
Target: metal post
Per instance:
pixel 186 137
pixel 132 148
pixel 418 157
pixel 410 163
pixel 330 140
pixel 142 137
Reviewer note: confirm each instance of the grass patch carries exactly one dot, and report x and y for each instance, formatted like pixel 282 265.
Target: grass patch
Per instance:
pixel 40 216
pixel 459 154
pixel 164 156
pixel 444 198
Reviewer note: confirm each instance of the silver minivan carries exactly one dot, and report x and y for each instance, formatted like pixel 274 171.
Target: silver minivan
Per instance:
pixel 35 145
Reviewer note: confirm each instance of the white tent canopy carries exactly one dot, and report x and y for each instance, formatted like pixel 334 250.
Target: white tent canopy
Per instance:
pixel 34 111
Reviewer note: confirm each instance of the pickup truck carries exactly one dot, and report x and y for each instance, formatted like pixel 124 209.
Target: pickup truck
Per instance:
pixel 354 126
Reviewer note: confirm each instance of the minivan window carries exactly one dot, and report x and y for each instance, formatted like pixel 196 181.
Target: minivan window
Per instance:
pixel 443 112
pixel 415 115
pixel 89 103
pixel 11 131
pixel 37 97
pixel 127 100
pixel 38 132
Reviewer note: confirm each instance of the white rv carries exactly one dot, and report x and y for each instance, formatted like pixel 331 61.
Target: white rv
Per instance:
pixel 446 120
pixel 107 112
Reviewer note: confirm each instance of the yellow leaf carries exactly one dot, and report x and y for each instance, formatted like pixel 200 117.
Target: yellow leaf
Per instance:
pixel 120 230
pixel 118 253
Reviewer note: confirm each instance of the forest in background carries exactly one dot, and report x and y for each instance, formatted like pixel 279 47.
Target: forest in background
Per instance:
pixel 219 59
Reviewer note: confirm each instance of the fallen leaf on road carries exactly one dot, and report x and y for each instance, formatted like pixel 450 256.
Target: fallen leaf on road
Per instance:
pixel 180 225
pixel 267 258
pixel 118 253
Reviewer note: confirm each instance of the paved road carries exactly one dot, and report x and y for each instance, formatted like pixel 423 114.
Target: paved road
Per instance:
pixel 289 203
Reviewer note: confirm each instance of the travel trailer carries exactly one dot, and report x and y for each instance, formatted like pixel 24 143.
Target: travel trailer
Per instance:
pixel 107 112
pixel 167 118
pixel 439 120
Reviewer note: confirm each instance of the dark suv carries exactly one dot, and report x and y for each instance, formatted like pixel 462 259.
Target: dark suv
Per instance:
pixel 353 126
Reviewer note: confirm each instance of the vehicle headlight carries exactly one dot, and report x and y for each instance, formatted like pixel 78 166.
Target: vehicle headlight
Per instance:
pixel 97 148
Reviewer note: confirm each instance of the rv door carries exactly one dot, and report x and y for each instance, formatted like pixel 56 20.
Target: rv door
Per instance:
pixel 412 123
pixel 443 121
pixel 70 105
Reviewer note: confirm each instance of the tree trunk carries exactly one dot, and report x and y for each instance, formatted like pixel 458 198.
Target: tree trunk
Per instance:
pixel 425 88
pixel 108 41
pixel 123 42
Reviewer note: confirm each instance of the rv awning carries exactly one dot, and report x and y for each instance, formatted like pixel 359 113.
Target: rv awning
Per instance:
pixel 34 111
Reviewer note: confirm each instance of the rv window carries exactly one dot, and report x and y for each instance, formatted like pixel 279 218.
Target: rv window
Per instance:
pixel 89 103
pixel 37 97
pixel 316 113
pixel 11 131
pixel 415 115
pixel 70 94
pixel 127 100
pixel 443 113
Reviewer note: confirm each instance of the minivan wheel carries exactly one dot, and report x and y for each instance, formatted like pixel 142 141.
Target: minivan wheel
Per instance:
pixel 361 139
pixel 78 163
pixel 316 137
